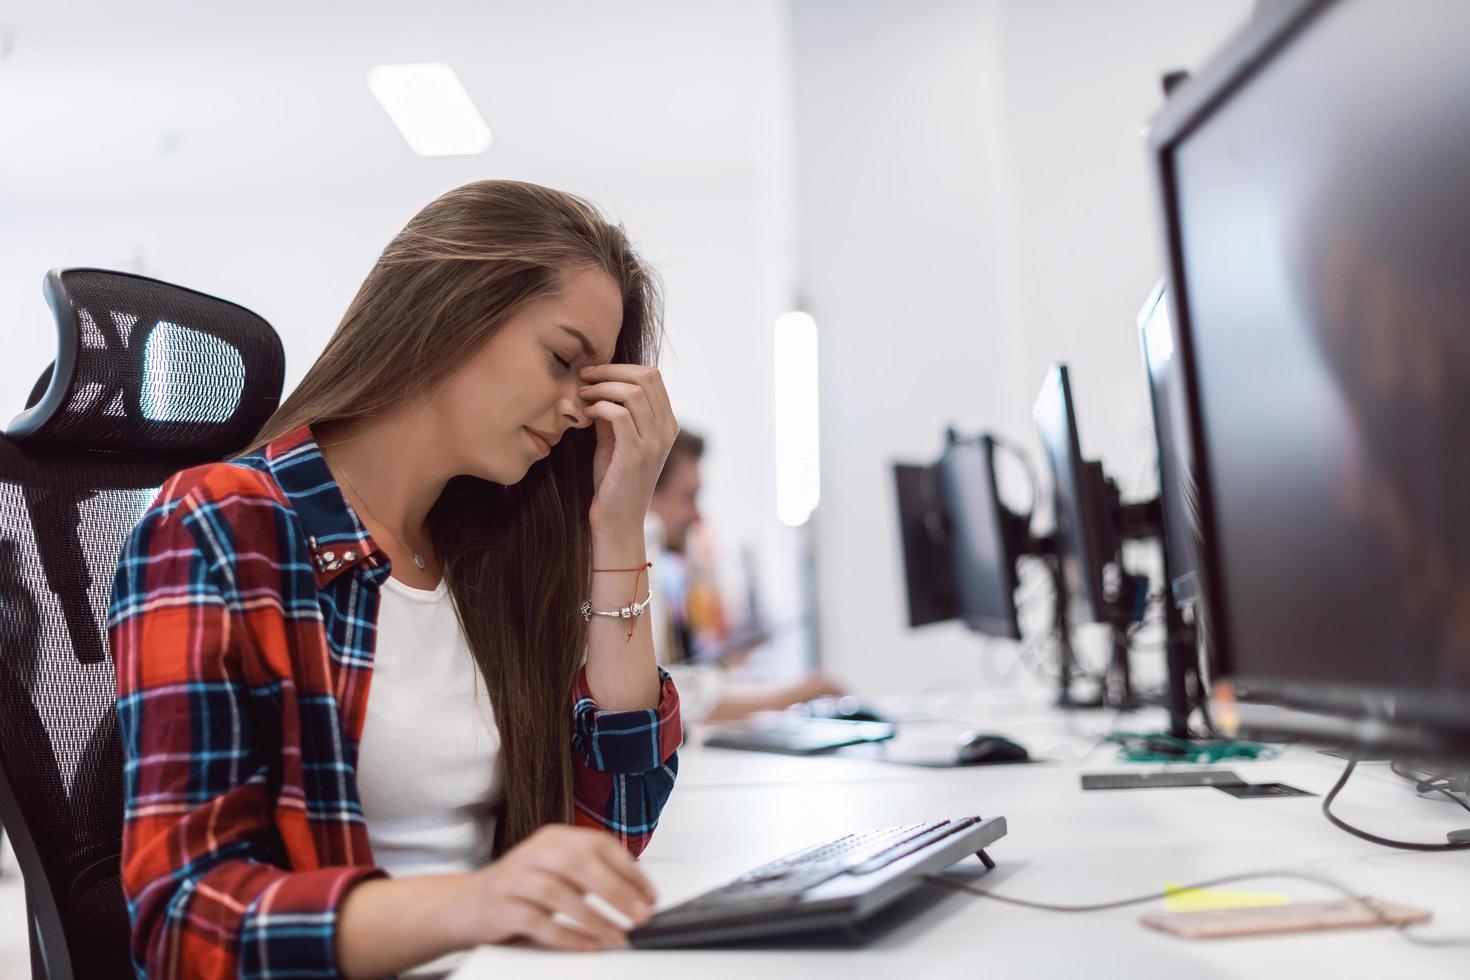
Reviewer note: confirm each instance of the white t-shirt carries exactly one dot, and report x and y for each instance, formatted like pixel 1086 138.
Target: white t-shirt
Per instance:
pixel 429 769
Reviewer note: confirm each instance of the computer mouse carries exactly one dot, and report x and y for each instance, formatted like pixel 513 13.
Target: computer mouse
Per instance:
pixel 981 749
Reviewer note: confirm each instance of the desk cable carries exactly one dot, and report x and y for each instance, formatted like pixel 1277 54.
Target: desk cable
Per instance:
pixel 1432 782
pixel 1316 879
pixel 1402 845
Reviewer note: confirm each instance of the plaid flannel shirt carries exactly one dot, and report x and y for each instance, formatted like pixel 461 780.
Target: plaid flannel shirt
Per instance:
pixel 242 623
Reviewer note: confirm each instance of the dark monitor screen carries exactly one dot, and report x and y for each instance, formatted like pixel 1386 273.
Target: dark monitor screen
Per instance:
pixel 923 524
pixel 1178 490
pixel 1316 182
pixel 1077 488
pixel 983 549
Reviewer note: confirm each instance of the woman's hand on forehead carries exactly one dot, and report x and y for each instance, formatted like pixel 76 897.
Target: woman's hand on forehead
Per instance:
pixel 635 428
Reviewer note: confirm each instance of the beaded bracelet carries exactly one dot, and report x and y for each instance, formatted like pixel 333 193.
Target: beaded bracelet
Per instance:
pixel 630 612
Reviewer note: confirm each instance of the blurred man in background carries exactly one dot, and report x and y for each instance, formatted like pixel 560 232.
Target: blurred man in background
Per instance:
pixel 693 637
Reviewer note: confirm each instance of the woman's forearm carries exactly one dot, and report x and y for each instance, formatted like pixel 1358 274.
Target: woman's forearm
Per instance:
pixel 621 672
pixel 387 925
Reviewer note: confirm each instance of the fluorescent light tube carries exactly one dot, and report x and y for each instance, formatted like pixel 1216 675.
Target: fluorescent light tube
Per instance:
pixel 798 463
pixel 431 109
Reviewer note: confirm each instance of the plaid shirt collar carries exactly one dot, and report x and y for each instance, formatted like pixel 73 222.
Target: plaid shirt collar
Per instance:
pixel 334 533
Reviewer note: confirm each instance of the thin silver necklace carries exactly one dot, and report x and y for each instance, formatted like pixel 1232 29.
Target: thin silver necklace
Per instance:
pixel 418 559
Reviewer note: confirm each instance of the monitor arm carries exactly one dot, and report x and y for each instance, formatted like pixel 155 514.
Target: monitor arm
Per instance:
pixel 1045 546
pixel 1140 521
pixel 1135 520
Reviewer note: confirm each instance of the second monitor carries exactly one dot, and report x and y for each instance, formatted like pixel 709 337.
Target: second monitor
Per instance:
pixel 986 537
pixel 960 541
pixel 1092 522
pixel 962 547
pixel 1084 542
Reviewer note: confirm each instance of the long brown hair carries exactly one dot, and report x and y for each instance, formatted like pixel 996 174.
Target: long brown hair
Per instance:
pixel 517 559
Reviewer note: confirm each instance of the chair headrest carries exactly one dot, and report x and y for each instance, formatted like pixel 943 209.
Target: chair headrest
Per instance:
pixel 144 366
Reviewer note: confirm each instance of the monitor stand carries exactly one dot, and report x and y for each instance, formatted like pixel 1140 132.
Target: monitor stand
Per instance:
pixel 1067 667
pixel 1118 682
pixel 1118 690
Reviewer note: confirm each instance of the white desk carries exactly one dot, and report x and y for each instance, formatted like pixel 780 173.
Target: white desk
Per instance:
pixel 733 811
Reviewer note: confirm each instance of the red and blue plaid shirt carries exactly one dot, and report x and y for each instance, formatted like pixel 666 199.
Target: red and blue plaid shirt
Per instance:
pixel 242 624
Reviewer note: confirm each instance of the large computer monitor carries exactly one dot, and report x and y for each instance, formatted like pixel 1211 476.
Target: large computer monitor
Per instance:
pixel 1315 185
pixel 960 542
pixel 923 528
pixel 985 538
pixel 1083 539
pixel 1178 491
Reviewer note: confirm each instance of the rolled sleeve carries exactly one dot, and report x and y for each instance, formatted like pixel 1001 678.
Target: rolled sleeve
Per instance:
pixel 626 742
pixel 626 762
pixel 291 927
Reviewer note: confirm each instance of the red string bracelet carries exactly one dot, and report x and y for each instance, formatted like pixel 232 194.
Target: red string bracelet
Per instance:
pixel 632 624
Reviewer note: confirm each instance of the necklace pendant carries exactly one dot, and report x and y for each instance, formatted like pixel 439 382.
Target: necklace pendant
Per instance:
pixel 418 560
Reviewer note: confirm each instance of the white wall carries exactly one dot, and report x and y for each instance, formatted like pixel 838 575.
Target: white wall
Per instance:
pixel 974 203
pixel 672 119
pixel 897 141
pixel 1081 83
pixel 956 189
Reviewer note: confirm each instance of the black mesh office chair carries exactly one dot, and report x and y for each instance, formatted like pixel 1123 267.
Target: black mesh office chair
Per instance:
pixel 149 378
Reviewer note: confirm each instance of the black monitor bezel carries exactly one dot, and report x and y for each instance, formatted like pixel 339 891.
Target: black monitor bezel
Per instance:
pixel 1089 491
pixel 1182 587
pixel 1325 711
pixel 1191 103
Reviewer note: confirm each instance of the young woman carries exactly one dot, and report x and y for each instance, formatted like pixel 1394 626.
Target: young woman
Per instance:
pixel 376 643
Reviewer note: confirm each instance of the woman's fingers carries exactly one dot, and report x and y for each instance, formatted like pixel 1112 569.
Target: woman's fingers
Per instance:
pixel 597 876
pixel 571 848
pixel 632 397
pixel 620 861
pixel 555 894
pixel 541 927
pixel 619 418
pixel 647 378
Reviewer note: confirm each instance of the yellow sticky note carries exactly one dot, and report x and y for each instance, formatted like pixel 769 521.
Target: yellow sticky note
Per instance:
pixel 1201 899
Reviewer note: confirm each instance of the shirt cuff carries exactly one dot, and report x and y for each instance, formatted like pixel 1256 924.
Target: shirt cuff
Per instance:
pixel 626 742
pixel 290 929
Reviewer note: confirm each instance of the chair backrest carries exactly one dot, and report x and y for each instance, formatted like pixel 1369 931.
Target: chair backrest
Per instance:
pixel 149 378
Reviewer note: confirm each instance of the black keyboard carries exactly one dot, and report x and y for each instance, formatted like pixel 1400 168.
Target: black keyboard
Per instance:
pixel 838 883
pixel 1168 779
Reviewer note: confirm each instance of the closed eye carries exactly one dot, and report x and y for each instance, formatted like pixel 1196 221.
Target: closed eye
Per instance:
pixel 565 364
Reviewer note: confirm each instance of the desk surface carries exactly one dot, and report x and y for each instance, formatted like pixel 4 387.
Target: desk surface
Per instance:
pixel 733 811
